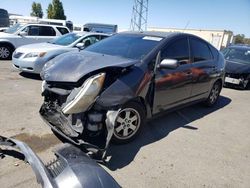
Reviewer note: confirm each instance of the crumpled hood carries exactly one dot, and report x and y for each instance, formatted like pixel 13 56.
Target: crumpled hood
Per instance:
pixel 237 68
pixel 39 47
pixel 70 67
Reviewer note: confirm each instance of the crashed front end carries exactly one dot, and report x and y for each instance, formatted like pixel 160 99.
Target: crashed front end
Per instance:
pixel 68 110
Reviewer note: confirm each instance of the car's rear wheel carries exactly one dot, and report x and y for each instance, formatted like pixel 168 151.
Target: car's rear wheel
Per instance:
pixel 214 94
pixel 128 123
pixel 5 52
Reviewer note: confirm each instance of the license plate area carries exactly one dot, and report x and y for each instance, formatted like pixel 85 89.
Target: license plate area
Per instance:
pixel 232 80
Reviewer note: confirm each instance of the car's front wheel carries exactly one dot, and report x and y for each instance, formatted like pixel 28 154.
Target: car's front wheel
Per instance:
pixel 5 52
pixel 214 94
pixel 128 123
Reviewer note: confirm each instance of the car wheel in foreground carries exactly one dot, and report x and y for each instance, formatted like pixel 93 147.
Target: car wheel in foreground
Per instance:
pixel 128 123
pixel 214 94
pixel 5 52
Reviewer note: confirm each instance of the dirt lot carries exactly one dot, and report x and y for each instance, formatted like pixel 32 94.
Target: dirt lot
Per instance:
pixel 193 147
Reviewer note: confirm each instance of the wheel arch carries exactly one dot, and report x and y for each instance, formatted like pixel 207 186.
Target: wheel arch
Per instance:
pixel 8 43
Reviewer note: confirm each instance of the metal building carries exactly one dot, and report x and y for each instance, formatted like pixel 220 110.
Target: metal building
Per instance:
pixel 218 38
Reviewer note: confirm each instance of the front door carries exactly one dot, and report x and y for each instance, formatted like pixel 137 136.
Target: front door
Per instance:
pixel 173 86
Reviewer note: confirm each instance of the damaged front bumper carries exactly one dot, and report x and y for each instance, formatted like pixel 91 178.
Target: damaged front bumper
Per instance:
pixel 91 131
pixel 70 168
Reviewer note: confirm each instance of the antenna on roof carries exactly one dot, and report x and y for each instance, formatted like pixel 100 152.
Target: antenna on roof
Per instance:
pixel 186 26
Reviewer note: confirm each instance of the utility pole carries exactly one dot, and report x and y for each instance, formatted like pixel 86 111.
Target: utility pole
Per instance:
pixel 139 17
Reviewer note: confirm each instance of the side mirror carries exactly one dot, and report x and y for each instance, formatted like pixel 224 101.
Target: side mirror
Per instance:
pixel 23 33
pixel 80 45
pixel 168 64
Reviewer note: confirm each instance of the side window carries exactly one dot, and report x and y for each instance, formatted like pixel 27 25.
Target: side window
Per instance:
pixel 90 40
pixel 200 50
pixel 32 30
pixel 103 37
pixel 46 31
pixel 62 30
pixel 178 50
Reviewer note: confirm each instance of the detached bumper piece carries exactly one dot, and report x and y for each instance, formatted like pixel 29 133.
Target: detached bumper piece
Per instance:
pixel 70 168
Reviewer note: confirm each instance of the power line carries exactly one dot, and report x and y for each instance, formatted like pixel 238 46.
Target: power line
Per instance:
pixel 139 16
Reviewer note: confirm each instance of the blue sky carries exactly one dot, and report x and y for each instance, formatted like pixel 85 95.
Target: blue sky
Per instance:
pixel 231 15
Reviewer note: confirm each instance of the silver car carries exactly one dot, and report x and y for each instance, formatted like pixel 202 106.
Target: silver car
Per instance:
pixel 31 58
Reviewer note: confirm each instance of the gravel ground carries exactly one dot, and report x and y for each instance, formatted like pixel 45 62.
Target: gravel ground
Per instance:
pixel 192 147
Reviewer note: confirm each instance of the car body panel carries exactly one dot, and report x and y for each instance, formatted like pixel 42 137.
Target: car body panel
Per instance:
pixel 63 69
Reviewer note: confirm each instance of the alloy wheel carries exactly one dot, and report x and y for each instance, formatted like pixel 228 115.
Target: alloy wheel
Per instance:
pixel 214 93
pixel 127 123
pixel 4 52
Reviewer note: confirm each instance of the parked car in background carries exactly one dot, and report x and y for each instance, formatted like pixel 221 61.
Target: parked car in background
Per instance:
pixel 20 35
pixel 109 89
pixel 100 28
pixel 237 66
pixel 31 58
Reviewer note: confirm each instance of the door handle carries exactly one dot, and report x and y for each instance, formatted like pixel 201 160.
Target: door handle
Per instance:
pixel 188 73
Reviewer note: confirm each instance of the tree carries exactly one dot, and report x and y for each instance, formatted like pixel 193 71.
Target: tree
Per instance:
pixel 50 11
pixel 36 10
pixel 55 10
pixel 239 39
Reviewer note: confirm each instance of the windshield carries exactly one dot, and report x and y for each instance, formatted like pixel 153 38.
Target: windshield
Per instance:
pixel 13 29
pixel 66 40
pixel 125 45
pixel 238 55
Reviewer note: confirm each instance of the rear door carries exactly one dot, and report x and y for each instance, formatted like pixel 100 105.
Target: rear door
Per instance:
pixel 203 66
pixel 46 33
pixel 173 86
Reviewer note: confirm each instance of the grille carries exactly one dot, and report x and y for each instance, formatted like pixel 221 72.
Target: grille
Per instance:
pixel 238 76
pixel 18 55
pixel 56 166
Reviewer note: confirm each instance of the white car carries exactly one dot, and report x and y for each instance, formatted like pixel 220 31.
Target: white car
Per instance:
pixel 31 58
pixel 20 35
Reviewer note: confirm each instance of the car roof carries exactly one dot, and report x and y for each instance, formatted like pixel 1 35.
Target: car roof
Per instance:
pixel 240 46
pixel 44 25
pixel 82 33
pixel 160 34
pixel 150 33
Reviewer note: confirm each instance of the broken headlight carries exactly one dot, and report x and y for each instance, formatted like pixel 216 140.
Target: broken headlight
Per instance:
pixel 86 96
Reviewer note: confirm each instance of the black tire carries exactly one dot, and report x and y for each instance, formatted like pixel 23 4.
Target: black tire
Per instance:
pixel 130 121
pixel 5 52
pixel 214 94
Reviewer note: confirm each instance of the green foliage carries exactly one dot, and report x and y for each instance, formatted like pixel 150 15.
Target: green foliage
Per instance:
pixel 36 10
pixel 240 39
pixel 55 10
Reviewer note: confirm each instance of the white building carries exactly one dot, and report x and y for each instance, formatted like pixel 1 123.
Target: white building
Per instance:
pixel 218 38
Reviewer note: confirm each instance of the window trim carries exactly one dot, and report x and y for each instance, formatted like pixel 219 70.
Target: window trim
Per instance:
pixel 173 41
pixel 192 53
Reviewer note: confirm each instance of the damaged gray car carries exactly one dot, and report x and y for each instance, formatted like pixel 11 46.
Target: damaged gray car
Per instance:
pixel 108 90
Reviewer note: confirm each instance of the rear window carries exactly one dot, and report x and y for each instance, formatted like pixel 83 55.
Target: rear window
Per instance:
pixel 62 30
